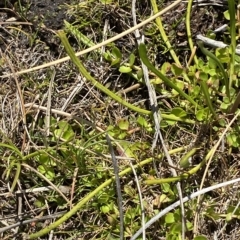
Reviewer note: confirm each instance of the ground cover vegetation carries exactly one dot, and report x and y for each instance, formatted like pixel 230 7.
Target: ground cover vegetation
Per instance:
pixel 100 136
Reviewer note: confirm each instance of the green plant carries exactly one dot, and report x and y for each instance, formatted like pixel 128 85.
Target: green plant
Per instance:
pixel 191 97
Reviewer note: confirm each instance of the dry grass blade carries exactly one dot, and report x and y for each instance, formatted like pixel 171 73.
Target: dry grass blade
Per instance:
pixel 216 146
pixel 185 199
pixel 49 101
pixel 165 10
pixel 21 104
pixel 162 112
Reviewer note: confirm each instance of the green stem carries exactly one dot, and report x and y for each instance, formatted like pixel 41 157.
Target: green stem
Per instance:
pixel 16 177
pixel 13 148
pixel 231 7
pixel 86 74
pixel 182 176
pixel 166 80
pixel 165 38
pixel 188 28
pixel 115 97
pixel 87 198
pixel 207 98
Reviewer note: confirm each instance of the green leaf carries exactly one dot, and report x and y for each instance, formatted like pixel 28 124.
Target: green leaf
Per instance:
pixel 189 225
pixel 48 172
pixel 129 191
pixel 103 198
pixel 200 237
pixel 131 59
pixel 167 81
pixel 128 150
pixel 166 187
pixel 212 64
pixel 170 122
pixel 107 56
pixel 117 53
pixel 180 85
pixel 169 218
pixel 164 198
pixel 63 125
pixel 40 202
pixel 123 124
pixel 233 140
pixel 41 169
pixel 122 135
pixel 224 106
pixel 125 69
pixel 140 74
pixel 176 228
pixel 196 90
pixel 69 134
pixel 105 209
pixel 203 76
pixel 225 79
pixel 156 81
pixel 223 55
pixel 142 121
pixel 176 70
pixel 44 158
pixel 65 131
pixel 202 114
pixel 226 14
pixel 165 67
pixel 170 236
pixel 222 122
pixel 179 112
pixel 115 62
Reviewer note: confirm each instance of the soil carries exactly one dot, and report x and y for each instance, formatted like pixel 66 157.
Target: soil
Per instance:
pixel 36 43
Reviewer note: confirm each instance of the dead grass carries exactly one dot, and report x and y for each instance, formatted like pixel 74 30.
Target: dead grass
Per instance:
pixel 24 46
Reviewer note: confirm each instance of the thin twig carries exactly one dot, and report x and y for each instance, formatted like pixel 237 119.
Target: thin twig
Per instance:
pixel 185 199
pixel 118 186
pixel 21 104
pixel 196 194
pixel 49 182
pixel 64 189
pixel 158 134
pixel 145 73
pixel 73 185
pixel 226 223
pixel 214 43
pixel 4 229
pixel 75 91
pixel 207 167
